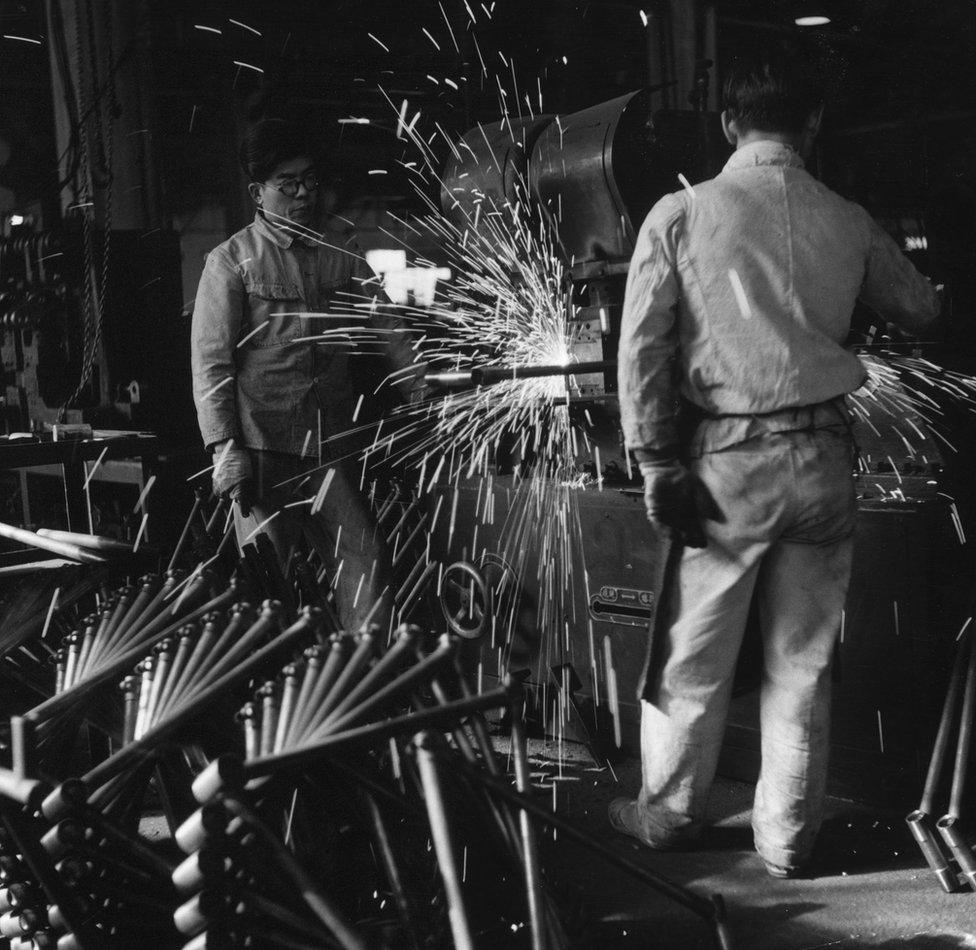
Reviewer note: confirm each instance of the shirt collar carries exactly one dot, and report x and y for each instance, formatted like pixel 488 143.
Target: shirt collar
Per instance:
pixel 764 152
pixel 274 234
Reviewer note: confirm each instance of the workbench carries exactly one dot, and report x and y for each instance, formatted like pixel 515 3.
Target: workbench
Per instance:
pixel 74 460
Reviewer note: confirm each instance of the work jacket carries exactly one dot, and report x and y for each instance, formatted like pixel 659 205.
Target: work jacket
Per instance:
pixel 740 294
pixel 275 321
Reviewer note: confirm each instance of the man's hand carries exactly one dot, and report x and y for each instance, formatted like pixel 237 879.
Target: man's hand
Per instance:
pixel 243 493
pixel 679 500
pixel 232 474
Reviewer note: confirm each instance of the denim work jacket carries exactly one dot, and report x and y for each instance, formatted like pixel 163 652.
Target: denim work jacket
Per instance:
pixel 257 377
pixel 739 297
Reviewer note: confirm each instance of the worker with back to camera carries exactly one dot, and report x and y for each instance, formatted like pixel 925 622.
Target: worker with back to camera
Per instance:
pixel 268 398
pixel 739 300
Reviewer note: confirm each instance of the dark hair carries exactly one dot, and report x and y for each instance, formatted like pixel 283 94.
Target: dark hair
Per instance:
pixel 772 92
pixel 268 143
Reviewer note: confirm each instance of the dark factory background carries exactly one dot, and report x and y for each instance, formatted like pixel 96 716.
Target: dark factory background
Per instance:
pixel 155 95
pixel 172 85
pixel 119 124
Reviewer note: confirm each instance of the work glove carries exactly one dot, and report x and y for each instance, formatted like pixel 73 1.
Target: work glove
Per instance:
pixel 233 476
pixel 679 501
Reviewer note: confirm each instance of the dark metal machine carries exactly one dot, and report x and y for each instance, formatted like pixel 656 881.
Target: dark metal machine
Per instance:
pixel 590 178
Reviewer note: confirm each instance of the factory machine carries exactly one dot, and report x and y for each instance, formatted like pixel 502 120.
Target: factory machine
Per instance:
pixel 594 175
pixel 89 329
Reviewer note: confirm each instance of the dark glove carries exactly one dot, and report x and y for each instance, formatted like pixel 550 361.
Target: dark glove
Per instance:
pixel 243 493
pixel 679 500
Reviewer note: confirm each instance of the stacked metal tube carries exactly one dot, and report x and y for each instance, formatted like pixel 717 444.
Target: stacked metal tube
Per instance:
pixel 953 856
pixel 94 882
pixel 346 711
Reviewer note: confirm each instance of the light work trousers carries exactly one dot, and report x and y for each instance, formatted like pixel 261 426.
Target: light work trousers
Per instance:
pixel 789 502
pixel 343 531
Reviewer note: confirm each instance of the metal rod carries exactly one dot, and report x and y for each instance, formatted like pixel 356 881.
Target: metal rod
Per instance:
pixel 72 552
pixel 965 741
pixel 316 900
pixel 381 838
pixel 487 375
pixel 305 714
pixel 927 804
pixel 440 833
pixel 185 533
pixel 530 853
pixel 921 822
pixel 138 749
pixel 401 686
pixel 387 663
pixel 707 908
pixel 948 824
pixel 364 736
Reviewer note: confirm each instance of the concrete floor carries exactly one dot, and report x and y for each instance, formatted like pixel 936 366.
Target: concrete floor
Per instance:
pixel 871 887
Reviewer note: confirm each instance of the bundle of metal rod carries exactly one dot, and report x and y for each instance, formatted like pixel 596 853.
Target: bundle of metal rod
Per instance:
pixel 486 780
pixel 244 886
pixel 180 682
pixel 87 826
pixel 339 685
pixel 103 647
pixel 35 612
pixel 32 888
pixel 953 855
pixel 73 878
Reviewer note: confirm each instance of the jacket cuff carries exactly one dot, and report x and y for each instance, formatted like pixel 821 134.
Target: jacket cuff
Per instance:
pixel 215 436
pixel 657 457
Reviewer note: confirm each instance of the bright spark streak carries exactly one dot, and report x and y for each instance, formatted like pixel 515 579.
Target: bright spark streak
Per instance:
pixel 244 26
pixel 740 294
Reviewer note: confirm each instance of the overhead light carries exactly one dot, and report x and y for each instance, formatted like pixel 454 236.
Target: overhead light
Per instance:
pixel 812 20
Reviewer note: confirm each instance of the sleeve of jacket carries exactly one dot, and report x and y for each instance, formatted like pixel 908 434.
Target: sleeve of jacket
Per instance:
pixel 893 286
pixel 398 343
pixel 215 332
pixel 649 334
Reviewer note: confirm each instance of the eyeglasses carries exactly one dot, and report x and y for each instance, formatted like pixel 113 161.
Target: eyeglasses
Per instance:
pixel 289 187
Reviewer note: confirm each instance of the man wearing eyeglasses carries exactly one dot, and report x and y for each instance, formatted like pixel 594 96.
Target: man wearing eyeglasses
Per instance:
pixel 274 394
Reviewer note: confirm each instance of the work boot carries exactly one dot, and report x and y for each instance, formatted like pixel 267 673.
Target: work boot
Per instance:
pixel 624 818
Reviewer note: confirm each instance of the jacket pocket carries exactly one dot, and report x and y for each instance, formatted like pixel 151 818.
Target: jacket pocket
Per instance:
pixel 274 316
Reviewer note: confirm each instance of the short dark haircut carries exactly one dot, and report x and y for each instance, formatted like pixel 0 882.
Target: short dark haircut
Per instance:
pixel 772 92
pixel 268 143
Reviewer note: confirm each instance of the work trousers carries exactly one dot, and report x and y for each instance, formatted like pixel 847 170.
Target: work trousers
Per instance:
pixel 343 530
pixel 789 504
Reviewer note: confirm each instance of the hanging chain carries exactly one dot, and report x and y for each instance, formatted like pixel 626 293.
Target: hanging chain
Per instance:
pixel 95 289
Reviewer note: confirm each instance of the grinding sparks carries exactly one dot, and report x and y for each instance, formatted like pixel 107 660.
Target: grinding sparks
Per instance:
pixel 740 294
pixel 244 26
pixel 506 305
pixel 213 389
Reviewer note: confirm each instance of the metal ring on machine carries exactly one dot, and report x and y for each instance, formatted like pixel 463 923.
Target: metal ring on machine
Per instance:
pixel 465 600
